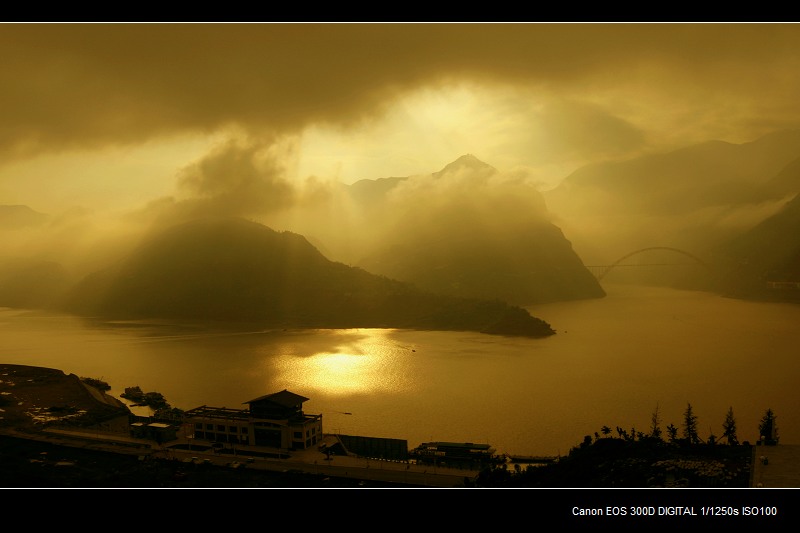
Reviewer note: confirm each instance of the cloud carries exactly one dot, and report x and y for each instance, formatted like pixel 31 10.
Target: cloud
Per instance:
pixel 458 205
pixel 245 177
pixel 237 179
pixel 67 86
pixel 539 100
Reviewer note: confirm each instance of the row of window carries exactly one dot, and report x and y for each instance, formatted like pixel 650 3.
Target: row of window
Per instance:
pixel 221 437
pixel 220 428
pixel 298 435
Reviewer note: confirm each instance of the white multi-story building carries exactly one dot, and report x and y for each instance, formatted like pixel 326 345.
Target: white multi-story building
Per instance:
pixel 272 421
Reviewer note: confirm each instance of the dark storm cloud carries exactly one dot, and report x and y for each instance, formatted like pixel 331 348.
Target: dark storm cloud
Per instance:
pixel 83 85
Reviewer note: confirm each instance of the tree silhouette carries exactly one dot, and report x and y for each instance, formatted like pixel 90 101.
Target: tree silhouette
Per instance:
pixel 655 424
pixel 768 428
pixel 690 426
pixel 672 431
pixel 98 384
pixel 605 430
pixel 729 428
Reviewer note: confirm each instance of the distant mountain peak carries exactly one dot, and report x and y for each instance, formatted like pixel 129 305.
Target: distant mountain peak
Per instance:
pixel 20 216
pixel 466 162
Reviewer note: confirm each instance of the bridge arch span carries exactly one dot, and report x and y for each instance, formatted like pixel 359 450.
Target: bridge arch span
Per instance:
pixel 649 249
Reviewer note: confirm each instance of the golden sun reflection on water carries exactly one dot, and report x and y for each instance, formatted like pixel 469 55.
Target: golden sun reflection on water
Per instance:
pixel 338 372
pixel 366 362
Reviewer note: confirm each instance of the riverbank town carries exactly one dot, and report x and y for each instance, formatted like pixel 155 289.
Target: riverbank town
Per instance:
pixel 272 434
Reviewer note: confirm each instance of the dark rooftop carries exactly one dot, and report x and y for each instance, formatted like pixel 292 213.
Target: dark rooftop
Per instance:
pixel 284 398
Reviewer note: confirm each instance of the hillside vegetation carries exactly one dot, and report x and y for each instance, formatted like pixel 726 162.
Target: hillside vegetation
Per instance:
pixel 237 271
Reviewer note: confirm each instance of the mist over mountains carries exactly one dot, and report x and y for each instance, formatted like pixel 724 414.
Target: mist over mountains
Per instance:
pixel 484 236
pixel 468 232
pixel 731 205
pixel 20 216
pixel 765 260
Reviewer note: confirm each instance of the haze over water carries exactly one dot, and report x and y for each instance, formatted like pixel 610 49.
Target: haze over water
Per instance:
pixel 611 363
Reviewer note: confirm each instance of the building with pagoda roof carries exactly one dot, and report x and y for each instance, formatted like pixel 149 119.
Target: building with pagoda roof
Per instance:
pixel 272 421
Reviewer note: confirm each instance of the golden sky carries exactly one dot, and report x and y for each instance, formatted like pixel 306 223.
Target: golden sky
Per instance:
pixel 116 116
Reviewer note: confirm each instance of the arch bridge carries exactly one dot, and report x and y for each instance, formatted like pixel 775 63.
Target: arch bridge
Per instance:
pixel 600 271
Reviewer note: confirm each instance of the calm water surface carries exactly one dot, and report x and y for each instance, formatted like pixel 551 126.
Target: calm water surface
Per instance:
pixel 612 362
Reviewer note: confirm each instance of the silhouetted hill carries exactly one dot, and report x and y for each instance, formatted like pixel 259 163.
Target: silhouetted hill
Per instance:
pixel 466 163
pixel 20 216
pixel 26 281
pixel 528 264
pixel 31 283
pixel 785 183
pixel 234 270
pixel 469 231
pixel 769 252
pixel 694 199
pixel 713 173
pixel 371 190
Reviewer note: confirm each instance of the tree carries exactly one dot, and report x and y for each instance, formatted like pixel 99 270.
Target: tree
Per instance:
pixel 98 384
pixel 768 428
pixel 729 428
pixel 155 401
pixel 690 425
pixel 655 424
pixel 134 394
pixel 672 431
pixel 172 413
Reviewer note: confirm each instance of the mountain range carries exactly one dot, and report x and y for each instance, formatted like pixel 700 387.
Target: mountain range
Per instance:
pixel 735 206
pixel 483 237
pixel 466 247
pixel 20 216
pixel 232 270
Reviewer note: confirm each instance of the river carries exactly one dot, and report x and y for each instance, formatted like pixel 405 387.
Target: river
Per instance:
pixel 613 362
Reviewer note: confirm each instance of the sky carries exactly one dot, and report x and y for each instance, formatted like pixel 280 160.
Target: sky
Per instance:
pixel 124 120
